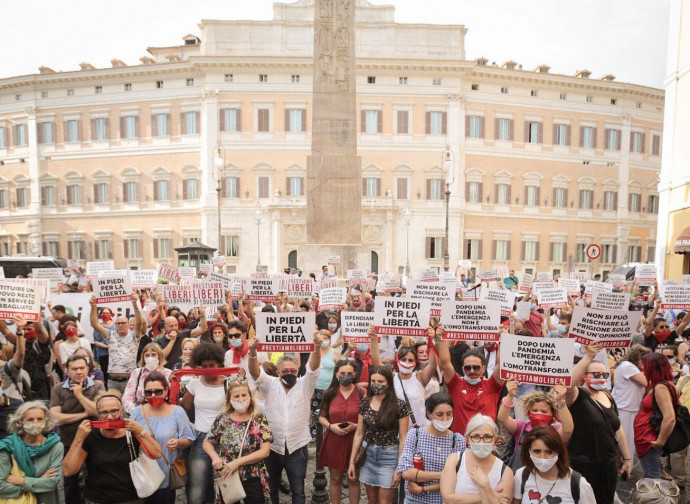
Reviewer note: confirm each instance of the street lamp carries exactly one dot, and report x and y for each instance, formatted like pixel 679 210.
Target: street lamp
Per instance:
pixel 258 214
pixel 448 168
pixel 407 217
pixel 219 162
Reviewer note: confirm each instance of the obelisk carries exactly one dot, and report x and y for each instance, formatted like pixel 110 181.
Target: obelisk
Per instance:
pixel 334 170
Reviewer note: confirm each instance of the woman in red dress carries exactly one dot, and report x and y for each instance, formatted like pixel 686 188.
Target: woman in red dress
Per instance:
pixel 338 415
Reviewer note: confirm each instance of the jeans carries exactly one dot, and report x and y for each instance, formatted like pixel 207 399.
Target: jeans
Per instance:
pixel 651 464
pixel 295 465
pixel 162 496
pixel 200 486
pixel 254 490
pixel 72 490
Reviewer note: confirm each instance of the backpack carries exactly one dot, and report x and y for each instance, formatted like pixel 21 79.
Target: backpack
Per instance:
pixel 511 454
pixel 574 484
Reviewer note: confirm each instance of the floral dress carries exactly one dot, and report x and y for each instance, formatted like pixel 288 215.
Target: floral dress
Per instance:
pixel 226 433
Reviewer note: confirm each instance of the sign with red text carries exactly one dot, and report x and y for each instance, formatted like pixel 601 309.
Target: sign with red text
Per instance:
pixel 675 297
pixel 428 275
pixel 470 294
pixel 113 272
pixel 541 361
pixel 73 264
pixel 178 295
pixel 116 289
pixel 143 279
pixel 53 275
pixel 263 288
pixel 334 260
pixel 616 280
pixel 224 280
pixel 537 286
pixel 402 316
pixel 299 287
pixel 388 283
pixel 487 275
pixel 526 283
pixel 325 284
pixel 544 276
pixel 571 285
pixel 285 332
pixel 645 274
pixel 471 320
pixel 580 276
pixel 218 260
pixel 609 328
pixel 354 326
pixel 611 300
pixel 592 286
pixel 167 273
pixel 94 267
pixel 503 296
pixel 205 268
pixel 552 298
pixel 20 300
pixel 356 276
pixel 207 293
pixel 333 298
pixel 436 292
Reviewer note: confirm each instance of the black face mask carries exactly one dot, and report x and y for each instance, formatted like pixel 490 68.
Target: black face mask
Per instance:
pixel 288 380
pixel 346 380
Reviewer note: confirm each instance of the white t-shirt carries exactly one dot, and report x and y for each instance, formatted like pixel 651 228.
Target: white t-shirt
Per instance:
pixel 415 394
pixel 464 485
pixel 627 394
pixel 67 349
pixel 209 400
pixel 535 486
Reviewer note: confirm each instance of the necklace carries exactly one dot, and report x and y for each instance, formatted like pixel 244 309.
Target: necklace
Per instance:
pixel 536 483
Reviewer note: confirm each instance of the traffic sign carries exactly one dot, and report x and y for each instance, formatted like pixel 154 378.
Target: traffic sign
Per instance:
pixel 593 251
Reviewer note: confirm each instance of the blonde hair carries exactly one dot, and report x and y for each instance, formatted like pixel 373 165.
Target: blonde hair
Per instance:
pixel 529 400
pixel 157 349
pixel 104 394
pixel 235 384
pixel 193 341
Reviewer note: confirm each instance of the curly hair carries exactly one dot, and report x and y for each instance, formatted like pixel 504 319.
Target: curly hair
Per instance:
pixel 529 400
pixel 18 416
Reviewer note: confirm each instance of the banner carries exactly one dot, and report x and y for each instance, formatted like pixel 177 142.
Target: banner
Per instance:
pixel 388 284
pixel 541 361
pixel 428 275
pixel 21 300
pixel 168 273
pixel 112 289
pixel 592 286
pixel 178 295
pixel 610 328
pixel 187 271
pixel 285 332
pixel 354 326
pixel 611 300
pixel 356 276
pixel 505 297
pixel 263 288
pixel 552 298
pixel 675 297
pixel 218 260
pixel 487 275
pixel 112 273
pixel 94 267
pixel 571 286
pixel 73 264
pixel 42 283
pixel 225 281
pixel 471 320
pixel 332 299
pixel 402 316
pixel 645 274
pixel 436 292
pixel 526 283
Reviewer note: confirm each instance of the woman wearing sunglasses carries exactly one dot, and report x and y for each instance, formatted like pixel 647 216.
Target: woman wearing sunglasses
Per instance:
pixel 152 359
pixel 166 423
pixel 546 475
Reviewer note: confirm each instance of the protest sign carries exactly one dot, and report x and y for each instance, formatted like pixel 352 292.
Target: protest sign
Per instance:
pixel 470 294
pixel 218 260
pixel 402 316
pixel 116 289
pixel 333 298
pixel 471 320
pixel 645 274
pixel 207 293
pixel 552 298
pixel 611 300
pixel 685 279
pixel 225 281
pixel 2 272
pixel 143 279
pixel 354 326
pixel 300 287
pixel 42 283
pixel 205 268
pixel 328 283
pixel 675 297
pixel 178 295
pixel 505 297
pixel 580 276
pixel 502 272
pixel 616 279
pixel 388 284
pixel 526 283
pixel 523 310
pixel 334 260
pixel 487 275
pixel 112 273
pixel 77 304
pixel 428 275
pixel 168 273
pixel 668 281
pixel 190 280
pixel 53 275
pixel 609 328
pixel 544 276
pixel 20 300
pixel 72 264
pixel 370 284
pixel 571 286
pixel 541 361
pixel 93 267
pixel 263 288
pixel 436 292
pixel 537 286
pixel 285 332
pixel 239 286
pixel 187 271
pixel 592 286
pixel 356 276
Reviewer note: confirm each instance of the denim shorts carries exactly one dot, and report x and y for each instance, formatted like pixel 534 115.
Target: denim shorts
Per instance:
pixel 379 466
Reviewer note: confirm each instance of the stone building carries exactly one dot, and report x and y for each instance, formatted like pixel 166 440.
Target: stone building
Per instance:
pixel 121 162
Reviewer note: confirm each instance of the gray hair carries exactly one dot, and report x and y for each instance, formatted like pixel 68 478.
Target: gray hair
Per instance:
pixel 287 358
pixel 12 423
pixel 477 422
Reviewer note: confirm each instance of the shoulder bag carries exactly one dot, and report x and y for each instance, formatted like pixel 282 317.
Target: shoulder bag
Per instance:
pixel 146 475
pixel 407 401
pixel 177 470
pixel 230 488
pixel 680 436
pixel 619 454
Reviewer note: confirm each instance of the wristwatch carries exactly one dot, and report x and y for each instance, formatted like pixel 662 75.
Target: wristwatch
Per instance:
pixel 560 405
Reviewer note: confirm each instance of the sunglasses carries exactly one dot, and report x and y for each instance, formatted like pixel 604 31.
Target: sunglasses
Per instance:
pixel 669 488
pixel 106 413
pixel 154 392
pixel 471 367
pixel 597 374
pixel 486 438
pixel 234 335
pixel 236 378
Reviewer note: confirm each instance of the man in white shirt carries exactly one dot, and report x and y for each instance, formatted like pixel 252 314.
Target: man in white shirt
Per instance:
pixel 291 436
pixel 325 275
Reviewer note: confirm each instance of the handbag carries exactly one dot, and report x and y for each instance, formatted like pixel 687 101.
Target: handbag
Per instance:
pixel 360 456
pixel 177 470
pixel 146 475
pixel 230 488
pixel 24 497
pixel 680 436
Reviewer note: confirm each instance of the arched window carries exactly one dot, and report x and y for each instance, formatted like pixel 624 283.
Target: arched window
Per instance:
pixel 374 262
pixel 292 259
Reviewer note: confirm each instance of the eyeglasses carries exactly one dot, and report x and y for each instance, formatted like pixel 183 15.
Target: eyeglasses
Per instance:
pixel 234 335
pixel 486 438
pixel 597 374
pixel 106 413
pixel 471 367
pixel 121 323
pixel 154 392
pixel 666 487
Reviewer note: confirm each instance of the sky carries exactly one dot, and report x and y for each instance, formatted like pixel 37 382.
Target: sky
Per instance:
pixel 626 38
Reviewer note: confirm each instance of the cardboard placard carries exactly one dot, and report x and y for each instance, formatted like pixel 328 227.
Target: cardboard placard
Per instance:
pixel 611 300
pixel 526 283
pixel 502 272
pixel 401 316
pixel 207 293
pixel 54 275
pixel 610 328
pixel 224 280
pixel 428 275
pixel 537 286
pixel 332 298
pixel 541 361
pixel 23 300
pixel 354 326
pixel 552 298
pixel 616 279
pixel 388 284
pixel 580 276
pixel 571 286
pixel 116 289
pixel 285 332
pixel 326 283
pixel 505 297
pixel 436 292
pixel 263 288
pixel 168 273
pixel 93 267
pixel 471 320
pixel 205 268
pixel 469 294
pixel 112 273
pixel 544 276
pixel 675 297
pixel 299 287
pixel 487 275
pixel 187 271
pixel 218 260
pixel 334 260
pixel 73 264
pixel 356 276
pixel 685 279
pixel 591 287
pixel 178 295
pixel 523 310
pixel 143 279
pixel 645 274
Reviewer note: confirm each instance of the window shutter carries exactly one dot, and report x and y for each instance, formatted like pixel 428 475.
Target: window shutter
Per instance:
pixel 638 256
pixel 594 138
pixel 644 145
pixel 481 191
pixel 495 247
pixel 615 200
pixel 540 133
pixel 581 204
pixel 567 135
pixel 428 124
pixel 39 133
pixel 43 195
pixel 526 131
pixel 630 201
pixel 122 127
pixel 154 125
pixel 526 200
pixel 632 135
pixel 303 114
pixel 238 119
pixel 553 198
pixel 155 247
pixel 553 247
pixel 614 259
pixel 467 191
pixel 510 129
pixel 582 136
pixel 496 193
pixel 379 121
pixel 198 123
pixel 428 189
pixel 155 190
pixel 482 122
pixel 125 244
pixel 464 254
pixel 402 188
pixel 183 123
pixel 224 188
pixel 427 248
pixel 287 187
pixel 480 247
pixel 508 250
pixel 221 119
pixel 287 120
pixel 364 187
pixel 97 249
pixel 566 197
pixel 555 134
pixel 65 132
pixel 378 187
pixel 69 195
pixel 444 246
pixel 444 123
pixel 124 192
pixel 565 252
pixel 536 251
pixel 524 251
pixel 363 121
pixel 237 185
pixel 496 128
pixel 618 139
pixel 508 193
pixel 136 127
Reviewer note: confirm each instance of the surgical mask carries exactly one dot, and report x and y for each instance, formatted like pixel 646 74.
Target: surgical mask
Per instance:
pixel 151 363
pixel 288 380
pixel 442 425
pixel 482 450
pixel 543 464
pixel 240 406
pixel 378 388
pixel 533 307
pixel 218 339
pixel 332 327
pixel 672 361
pixel 539 419
pixel 236 343
pixel 473 381
pixel 325 344
pixel 562 328
pixel 346 379
pixel 33 429
pixel 362 347
pixel 405 368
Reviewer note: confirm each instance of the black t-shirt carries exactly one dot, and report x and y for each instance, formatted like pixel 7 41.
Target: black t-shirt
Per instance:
pixel 8 406
pixel 176 351
pixel 107 468
pixel 37 356
pixel 592 439
pixel 651 341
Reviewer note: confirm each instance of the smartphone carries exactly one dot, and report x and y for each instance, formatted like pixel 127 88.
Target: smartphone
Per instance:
pixel 624 476
pixel 343 425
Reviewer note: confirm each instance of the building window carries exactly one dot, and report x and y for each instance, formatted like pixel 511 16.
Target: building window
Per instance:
pixel 100 129
pixel 263 120
pixel 46 133
pixel 159 84
pixel 610 200
pixel 589 99
pixel 433 189
pixel 651 251
pixel 295 120
pixel 635 202
pixel 160 190
pixel 371 187
pixel 436 82
pixel 103 249
pixel 295 78
pixel 190 123
pixel 560 197
pixel 402 80
pixel 504 90
pixel 653 204
pixel 129 127
pixel 72 194
pixel 20 135
pixel 475 124
pixel 371 80
pixel 190 189
pixel 22 197
pixel 128 87
pixel 129 192
pixel 533 132
pixel 99 89
pixel 656 145
pixel 531 195
pixel 22 245
pixel 475 87
pixel 75 250
pixel 44 94
pixel 100 193
pixel 473 249
pixel 474 192
pixel 263 187
pixel 634 253
pixel 162 248
pixel 401 188
pixel 160 124
pixel 228 77
pixel 294 186
pixel 531 251
pixel 4 198
pixel 230 120
pixel 502 194
pixel 72 130
pixel 232 246
pixel 563 96
pixel 435 123
pixel 189 82
pixel 231 187
pixel 48 195
pixel 534 92
pixel 588 139
pixel 614 101
pixel 132 248
pixel 608 254
pixel 637 142
pixel 263 78
pixel 70 92
pixel 558 250
pixel 501 250
pixel 434 249
pixel 403 126
pixel 51 248
pixel 613 139
pixel 586 199
pixel 561 134
pixel 581 254
pixel 3 137
pixel 504 129
pixel 372 121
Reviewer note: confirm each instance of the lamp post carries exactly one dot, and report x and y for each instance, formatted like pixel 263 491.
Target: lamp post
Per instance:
pixel 258 214
pixel 407 217
pixel 219 162
pixel 450 178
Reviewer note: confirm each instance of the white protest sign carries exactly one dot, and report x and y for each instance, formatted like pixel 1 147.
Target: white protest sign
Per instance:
pixel 72 264
pixel 487 275
pixel 77 304
pixel 436 292
pixel 388 284
pixel 571 286
pixel 94 267
pixel 592 286
pixel 580 276
pixel 645 274
pixel 187 271
pixel 205 268
pixel 537 286
pixel 168 272
pixel 544 276
pixel 502 272
pixel 503 296
pixel 356 276
pixel 523 310
pixel 334 259
pixel 611 300
pixel 526 283
pixel 285 332
pixel 263 288
pixel 21 300
pixel 325 284
pixel 471 320
pixel 190 280
pixel 428 275
pixel 42 283
pixel 370 284
pixel 669 281
pixel 354 326
pixel 401 316
pixel 541 361
pixel 685 279
pixel 218 260
pixel 333 298
pixel 178 295
pixel 115 289
pixel 300 287
pixel 609 328
pixel 225 281
pixel 143 279
pixel 2 272
pixel 552 298
pixel 616 279
pixel 112 273
pixel 207 293
pixel 471 294
pixel 54 275
pixel 675 297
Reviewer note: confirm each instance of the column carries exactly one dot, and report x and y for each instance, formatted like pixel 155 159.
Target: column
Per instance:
pixel 275 241
pixel 456 143
pixel 34 226
pixel 208 148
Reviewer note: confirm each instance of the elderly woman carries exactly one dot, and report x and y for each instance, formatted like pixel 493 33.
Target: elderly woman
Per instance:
pixel 31 457
pixel 152 359
pixel 106 455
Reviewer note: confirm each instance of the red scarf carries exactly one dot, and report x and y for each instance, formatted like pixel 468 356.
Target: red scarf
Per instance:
pixel 239 353
pixel 432 345
pixel 174 394
pixel 119 424
pixel 366 364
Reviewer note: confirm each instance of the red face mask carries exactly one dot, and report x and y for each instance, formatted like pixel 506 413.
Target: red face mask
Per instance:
pixel 30 334
pixel 181 323
pixel 356 304
pixel 156 402
pixel 661 336
pixel 71 331
pixel 539 419
pixel 106 317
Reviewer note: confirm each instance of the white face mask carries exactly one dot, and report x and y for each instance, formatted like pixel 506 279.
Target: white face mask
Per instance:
pixel 543 464
pixel 151 363
pixel 239 406
pixel 482 450
pixel 34 429
pixel 405 368
pixel 442 426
